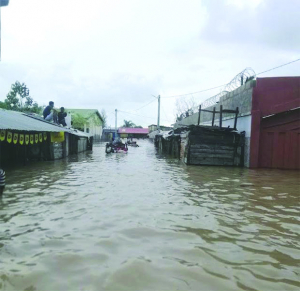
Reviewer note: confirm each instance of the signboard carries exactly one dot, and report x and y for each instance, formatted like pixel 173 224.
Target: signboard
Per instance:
pixel 57 136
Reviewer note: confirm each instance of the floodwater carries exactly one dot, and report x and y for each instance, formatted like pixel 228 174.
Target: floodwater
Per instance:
pixel 141 221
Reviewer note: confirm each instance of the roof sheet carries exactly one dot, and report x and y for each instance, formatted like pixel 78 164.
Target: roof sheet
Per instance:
pixel 86 113
pixel 133 130
pixel 13 120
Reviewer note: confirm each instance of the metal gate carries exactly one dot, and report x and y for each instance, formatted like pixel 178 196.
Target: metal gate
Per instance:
pixel 280 141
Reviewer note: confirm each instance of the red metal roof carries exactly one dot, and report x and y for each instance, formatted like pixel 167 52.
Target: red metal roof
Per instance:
pixel 133 130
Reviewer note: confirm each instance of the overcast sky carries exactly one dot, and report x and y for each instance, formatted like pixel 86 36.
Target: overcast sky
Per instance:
pixel 116 54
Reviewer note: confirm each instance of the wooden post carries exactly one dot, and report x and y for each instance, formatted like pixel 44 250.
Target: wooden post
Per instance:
pixel 199 114
pixel 220 121
pixel 236 116
pixel 213 118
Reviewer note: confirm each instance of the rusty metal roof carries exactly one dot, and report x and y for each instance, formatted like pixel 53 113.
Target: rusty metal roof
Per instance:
pixel 18 121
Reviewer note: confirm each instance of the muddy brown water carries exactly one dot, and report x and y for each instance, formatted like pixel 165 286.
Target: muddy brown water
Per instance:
pixel 141 221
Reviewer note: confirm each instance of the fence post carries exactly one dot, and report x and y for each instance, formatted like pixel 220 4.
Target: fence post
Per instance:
pixel 236 116
pixel 199 114
pixel 213 118
pixel 221 111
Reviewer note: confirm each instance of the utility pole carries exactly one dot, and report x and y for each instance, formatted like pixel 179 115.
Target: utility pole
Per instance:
pixel 158 116
pixel 2 3
pixel 116 126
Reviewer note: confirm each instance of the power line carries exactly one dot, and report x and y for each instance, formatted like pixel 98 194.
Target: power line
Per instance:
pixel 144 105
pixel 167 119
pixel 226 84
pixel 278 67
pixel 137 114
pixel 195 92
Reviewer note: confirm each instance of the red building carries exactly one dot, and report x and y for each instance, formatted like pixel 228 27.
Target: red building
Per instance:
pixel 275 124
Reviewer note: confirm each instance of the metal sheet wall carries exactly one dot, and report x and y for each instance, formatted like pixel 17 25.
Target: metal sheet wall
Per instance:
pixel 280 141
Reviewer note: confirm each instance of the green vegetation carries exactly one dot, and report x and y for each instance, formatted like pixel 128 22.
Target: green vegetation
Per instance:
pixel 78 121
pixel 129 123
pixel 104 117
pixel 18 99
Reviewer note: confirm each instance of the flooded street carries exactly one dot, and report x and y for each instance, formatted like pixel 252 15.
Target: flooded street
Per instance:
pixel 141 221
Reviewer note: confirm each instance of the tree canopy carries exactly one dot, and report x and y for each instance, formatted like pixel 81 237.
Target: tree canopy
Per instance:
pixel 18 99
pixel 104 118
pixel 129 123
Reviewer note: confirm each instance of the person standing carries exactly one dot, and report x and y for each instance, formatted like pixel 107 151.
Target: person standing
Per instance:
pixel 48 112
pixel 2 181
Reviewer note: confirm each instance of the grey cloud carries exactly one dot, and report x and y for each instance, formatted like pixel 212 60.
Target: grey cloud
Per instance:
pixel 273 23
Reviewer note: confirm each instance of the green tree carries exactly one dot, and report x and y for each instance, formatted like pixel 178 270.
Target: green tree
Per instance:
pixel 128 123
pixel 78 121
pixel 18 99
pixel 104 117
pixel 3 105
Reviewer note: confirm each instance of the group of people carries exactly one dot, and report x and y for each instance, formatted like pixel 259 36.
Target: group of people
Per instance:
pixel 50 114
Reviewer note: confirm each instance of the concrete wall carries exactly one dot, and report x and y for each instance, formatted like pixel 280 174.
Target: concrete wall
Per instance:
pixel 242 98
pixel 82 145
pixel 94 130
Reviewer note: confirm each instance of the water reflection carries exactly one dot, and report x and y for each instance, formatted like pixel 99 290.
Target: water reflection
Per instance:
pixel 141 221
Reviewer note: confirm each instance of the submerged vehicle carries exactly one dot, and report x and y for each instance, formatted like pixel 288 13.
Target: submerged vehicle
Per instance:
pixel 132 143
pixel 116 147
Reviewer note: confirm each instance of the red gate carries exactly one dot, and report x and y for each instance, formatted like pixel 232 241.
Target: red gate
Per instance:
pixel 280 141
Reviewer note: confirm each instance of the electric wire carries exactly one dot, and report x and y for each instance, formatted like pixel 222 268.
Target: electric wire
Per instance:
pixel 138 114
pixel 186 94
pixel 278 67
pixel 144 105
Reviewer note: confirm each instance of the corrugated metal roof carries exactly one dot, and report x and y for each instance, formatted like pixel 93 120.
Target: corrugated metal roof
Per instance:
pixel 85 113
pixel 13 120
pixel 133 130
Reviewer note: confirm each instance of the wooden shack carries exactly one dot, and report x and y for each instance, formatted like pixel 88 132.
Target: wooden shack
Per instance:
pixel 204 145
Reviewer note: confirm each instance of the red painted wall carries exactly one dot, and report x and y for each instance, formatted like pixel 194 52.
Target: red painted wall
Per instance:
pixel 268 135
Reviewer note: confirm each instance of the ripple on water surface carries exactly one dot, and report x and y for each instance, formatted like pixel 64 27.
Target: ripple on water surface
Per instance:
pixel 141 221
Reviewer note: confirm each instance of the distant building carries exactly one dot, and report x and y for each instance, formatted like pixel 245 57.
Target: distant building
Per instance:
pixel 87 120
pixel 153 127
pixel 128 132
pixel 108 134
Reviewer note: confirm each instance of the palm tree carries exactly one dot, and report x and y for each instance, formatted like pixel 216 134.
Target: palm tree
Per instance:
pixel 128 123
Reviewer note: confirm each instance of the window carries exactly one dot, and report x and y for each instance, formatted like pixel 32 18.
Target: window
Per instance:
pixel 87 130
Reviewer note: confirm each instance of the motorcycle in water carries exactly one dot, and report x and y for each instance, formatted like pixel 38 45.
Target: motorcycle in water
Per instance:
pixel 132 143
pixel 116 147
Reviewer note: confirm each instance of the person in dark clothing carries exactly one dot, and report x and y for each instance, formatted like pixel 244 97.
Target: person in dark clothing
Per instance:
pixel 48 113
pixel 61 116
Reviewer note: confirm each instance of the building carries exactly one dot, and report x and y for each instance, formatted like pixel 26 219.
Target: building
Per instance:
pixel 130 132
pixel 153 127
pixel 108 134
pixel 87 120
pixel 25 137
pixel 268 113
